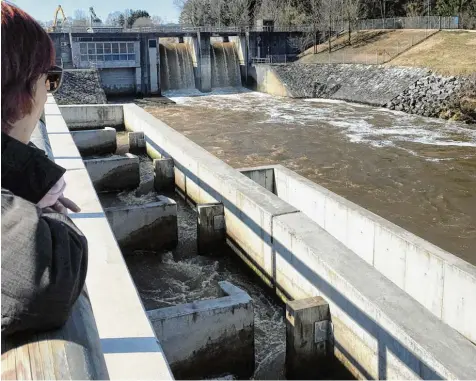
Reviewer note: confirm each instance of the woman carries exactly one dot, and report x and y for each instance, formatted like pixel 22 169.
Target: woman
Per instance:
pixel 44 255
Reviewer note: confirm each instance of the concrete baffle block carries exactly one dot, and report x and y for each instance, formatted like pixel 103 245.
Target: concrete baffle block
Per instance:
pixel 211 232
pixel 151 226
pixel 95 142
pixel 208 338
pixel 309 343
pixel 164 176
pixel 114 173
pixel 136 142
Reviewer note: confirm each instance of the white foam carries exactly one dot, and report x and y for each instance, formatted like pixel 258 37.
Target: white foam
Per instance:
pixel 361 124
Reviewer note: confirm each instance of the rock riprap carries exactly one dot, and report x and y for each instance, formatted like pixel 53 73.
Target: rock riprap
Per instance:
pixel 80 87
pixel 429 96
pixel 369 84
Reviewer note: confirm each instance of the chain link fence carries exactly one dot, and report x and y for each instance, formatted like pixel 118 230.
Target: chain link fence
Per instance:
pixel 419 22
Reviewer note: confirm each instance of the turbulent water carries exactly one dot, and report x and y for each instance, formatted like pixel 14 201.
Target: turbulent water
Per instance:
pixel 176 71
pixel 182 276
pixel 419 173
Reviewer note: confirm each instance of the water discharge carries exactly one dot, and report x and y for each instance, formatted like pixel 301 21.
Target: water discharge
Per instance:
pixel 177 72
pixel 225 65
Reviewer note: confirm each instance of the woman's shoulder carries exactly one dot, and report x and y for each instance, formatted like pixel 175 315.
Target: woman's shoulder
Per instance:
pixel 26 170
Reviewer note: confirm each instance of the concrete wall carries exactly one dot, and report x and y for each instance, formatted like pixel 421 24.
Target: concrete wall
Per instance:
pixel 118 81
pixel 440 281
pixel 264 176
pixel 206 179
pixel 114 173
pixel 125 332
pixel 151 226
pixel 370 84
pixel 204 62
pixel 380 330
pixel 208 338
pixel 95 142
pixel 80 117
pixel 263 78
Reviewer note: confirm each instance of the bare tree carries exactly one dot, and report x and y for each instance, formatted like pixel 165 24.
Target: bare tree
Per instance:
pixel 351 14
pixel 193 12
pixel 80 15
pixel 217 9
pixel 414 8
pixel 157 20
pixel 329 16
pixel 315 15
pixel 238 12
pixel 268 9
pixel 282 12
pixel 114 18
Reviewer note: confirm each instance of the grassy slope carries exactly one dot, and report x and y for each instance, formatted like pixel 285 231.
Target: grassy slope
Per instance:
pixel 367 46
pixel 447 53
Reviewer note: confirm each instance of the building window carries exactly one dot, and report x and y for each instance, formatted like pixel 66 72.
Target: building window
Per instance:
pixel 106 51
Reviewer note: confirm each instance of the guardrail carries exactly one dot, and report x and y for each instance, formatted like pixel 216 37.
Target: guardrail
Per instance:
pixel 257 60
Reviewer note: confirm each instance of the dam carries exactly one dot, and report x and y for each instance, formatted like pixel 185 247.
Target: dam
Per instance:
pixel 246 235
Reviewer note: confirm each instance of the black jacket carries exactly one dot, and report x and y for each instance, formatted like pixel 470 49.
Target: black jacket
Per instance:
pixel 44 255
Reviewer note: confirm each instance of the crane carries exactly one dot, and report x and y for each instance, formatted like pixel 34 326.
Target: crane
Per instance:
pixel 55 21
pixel 94 20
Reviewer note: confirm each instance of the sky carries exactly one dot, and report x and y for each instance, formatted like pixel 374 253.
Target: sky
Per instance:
pixel 44 10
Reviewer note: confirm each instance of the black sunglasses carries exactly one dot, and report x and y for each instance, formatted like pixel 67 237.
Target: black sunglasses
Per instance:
pixel 54 77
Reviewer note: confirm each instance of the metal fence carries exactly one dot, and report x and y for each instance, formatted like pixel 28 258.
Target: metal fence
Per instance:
pixel 420 22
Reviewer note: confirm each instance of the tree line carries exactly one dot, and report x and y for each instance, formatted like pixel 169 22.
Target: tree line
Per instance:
pixel 299 12
pixel 126 19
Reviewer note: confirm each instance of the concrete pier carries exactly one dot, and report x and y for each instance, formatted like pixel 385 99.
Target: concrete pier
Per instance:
pixel 151 226
pixel 309 348
pixel 164 176
pixel 208 338
pixel 95 142
pixel 114 173
pixel 136 142
pixel 204 62
pixel 211 232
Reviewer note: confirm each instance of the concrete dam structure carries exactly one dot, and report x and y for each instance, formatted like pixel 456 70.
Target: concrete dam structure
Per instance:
pixel 148 62
pixel 359 290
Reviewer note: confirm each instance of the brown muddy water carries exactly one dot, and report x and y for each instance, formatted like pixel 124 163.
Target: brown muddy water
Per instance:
pixel 417 172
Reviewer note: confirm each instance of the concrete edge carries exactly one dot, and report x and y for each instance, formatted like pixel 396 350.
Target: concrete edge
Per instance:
pixel 380 308
pixel 400 232
pixel 126 334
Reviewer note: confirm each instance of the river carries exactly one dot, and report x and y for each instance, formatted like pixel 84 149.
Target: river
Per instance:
pixel 417 172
